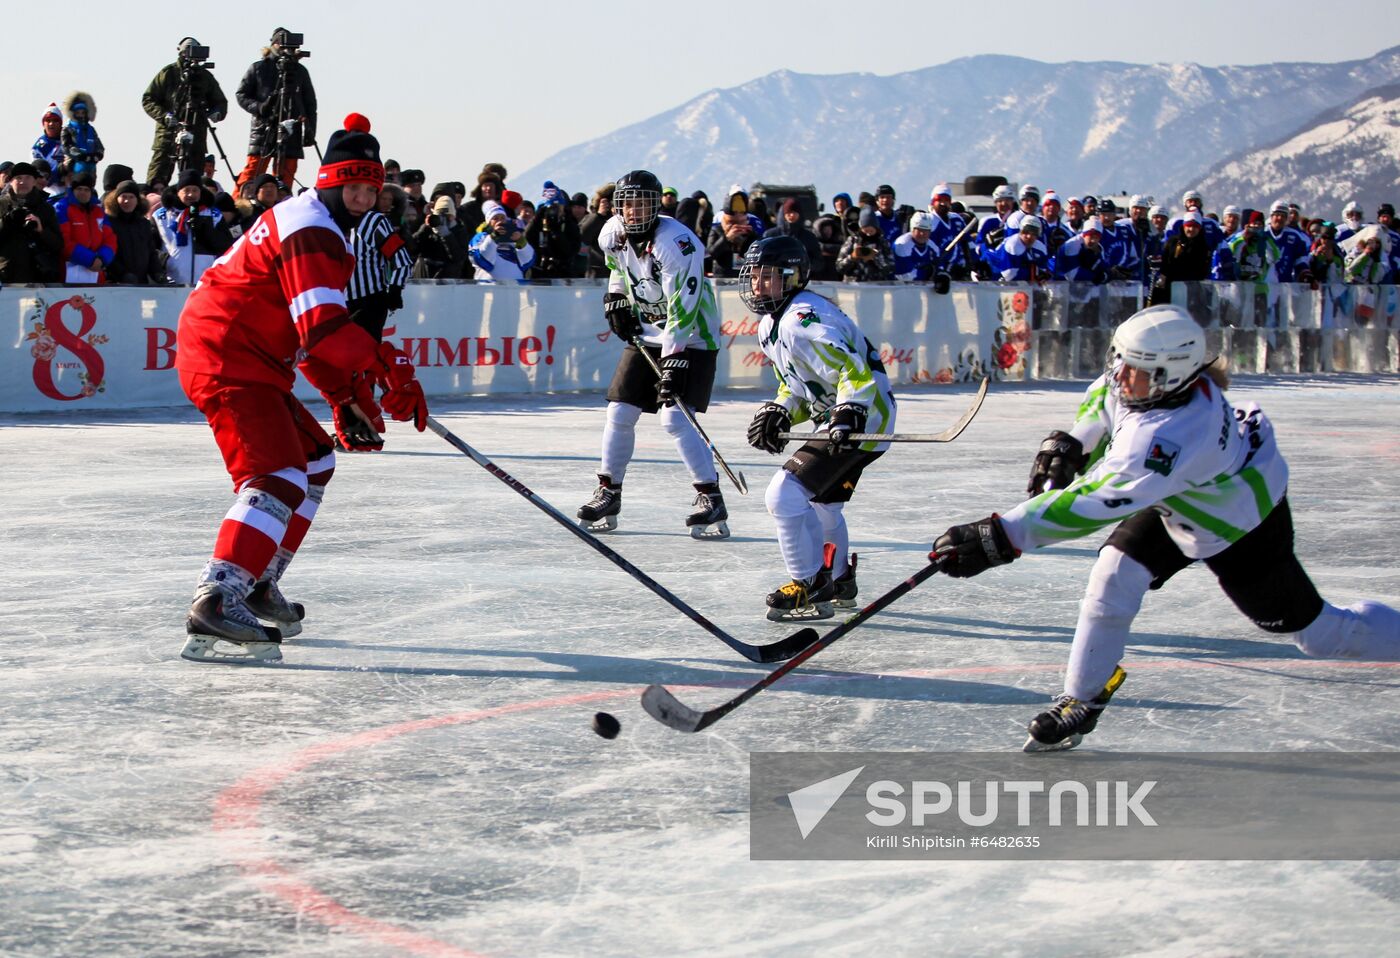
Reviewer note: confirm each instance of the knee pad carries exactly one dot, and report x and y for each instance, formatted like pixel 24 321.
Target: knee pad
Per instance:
pixel 674 421
pixel 786 497
pixel 285 488
pixel 830 514
pixel 623 415
pixel 319 472
pixel 1116 587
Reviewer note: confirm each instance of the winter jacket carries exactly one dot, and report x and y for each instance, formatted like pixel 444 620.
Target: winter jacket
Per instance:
pixel 257 94
pixel 1077 263
pixel 27 255
pixel 830 232
pixel 50 150
pixel 1247 260
pixel 1120 250
pixel 139 259
pixel 1186 260
pixel 1294 246
pixel 441 255
pixel 1015 262
pixel 728 253
pixel 865 268
pixel 82 147
pixel 88 241
pixel 943 233
pixel 1214 235
pixel 891 226
pixel 914 263
pixel 589 229
pixel 191 243
pixel 554 235
pixel 166 97
pixel 499 260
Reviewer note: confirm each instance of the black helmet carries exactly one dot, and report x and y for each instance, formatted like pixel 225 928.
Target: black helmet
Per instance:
pixel 641 192
pixel 784 254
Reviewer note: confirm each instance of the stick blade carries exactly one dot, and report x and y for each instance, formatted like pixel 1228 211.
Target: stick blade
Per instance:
pixel 784 649
pixel 670 711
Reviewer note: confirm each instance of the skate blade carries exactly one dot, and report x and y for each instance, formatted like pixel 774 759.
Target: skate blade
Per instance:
pixel 807 613
pixel 1065 744
pixel 716 530
pixel 207 648
pixel 605 524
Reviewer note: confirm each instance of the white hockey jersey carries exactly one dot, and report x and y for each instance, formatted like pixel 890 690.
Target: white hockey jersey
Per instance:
pixel 1212 471
pixel 822 359
pixel 666 283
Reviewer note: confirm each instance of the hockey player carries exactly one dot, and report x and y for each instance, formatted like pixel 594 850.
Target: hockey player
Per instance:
pixel 657 294
pixel 992 231
pixel 274 303
pixel 946 227
pixel 830 374
pixel 1160 451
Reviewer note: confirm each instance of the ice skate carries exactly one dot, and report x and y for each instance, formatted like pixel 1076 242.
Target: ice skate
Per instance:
pixel 708 520
pixel 269 604
pixel 845 584
pixel 600 513
pixel 1066 723
pixel 802 600
pixel 222 628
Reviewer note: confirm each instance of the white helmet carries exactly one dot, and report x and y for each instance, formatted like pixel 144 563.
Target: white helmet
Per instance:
pixel 1139 200
pixel 1352 207
pixel 1231 210
pixel 1191 195
pixel 1003 192
pixel 1163 341
pixel 1030 190
pixel 919 220
pixel 1157 211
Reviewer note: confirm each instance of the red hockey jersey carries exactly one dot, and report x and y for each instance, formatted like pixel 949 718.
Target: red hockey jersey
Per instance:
pixel 276 299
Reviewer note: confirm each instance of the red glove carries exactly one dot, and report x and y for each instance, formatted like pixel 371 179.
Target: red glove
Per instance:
pixel 360 432
pixel 403 396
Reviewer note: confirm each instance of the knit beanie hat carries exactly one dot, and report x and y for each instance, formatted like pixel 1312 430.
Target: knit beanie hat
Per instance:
pixel 867 217
pixel 352 156
pixel 190 178
pixel 444 205
pixel 52 110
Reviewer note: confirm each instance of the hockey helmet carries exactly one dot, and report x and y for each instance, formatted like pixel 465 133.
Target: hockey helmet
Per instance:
pixel 1167 344
pixel 637 200
pixel 1003 192
pixel 781 258
pixel 1029 190
pixel 919 220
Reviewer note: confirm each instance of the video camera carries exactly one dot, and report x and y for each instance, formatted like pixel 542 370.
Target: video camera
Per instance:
pixel 289 45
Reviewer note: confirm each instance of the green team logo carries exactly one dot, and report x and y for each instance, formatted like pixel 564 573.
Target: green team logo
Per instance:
pixel 687 247
pixel 1162 456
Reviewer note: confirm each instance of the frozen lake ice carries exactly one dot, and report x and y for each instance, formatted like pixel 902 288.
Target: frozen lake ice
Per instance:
pixel 419 776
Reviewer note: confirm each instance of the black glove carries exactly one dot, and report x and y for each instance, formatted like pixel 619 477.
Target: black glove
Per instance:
pixel 942 282
pixel 994 237
pixel 215 116
pixel 621 317
pixel 841 421
pixel 770 420
pixel 964 551
pixel 675 369
pixel 395 298
pixel 1060 459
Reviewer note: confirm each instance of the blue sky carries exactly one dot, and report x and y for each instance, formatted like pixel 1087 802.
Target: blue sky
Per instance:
pixel 449 86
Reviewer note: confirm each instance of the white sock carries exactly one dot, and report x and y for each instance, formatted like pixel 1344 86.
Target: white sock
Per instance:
pixel 1367 630
pixel 1111 601
pixel 619 439
pixel 799 529
pixel 694 452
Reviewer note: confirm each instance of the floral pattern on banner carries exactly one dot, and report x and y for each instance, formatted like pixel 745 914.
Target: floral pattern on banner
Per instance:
pixel 1010 343
pixel 48 334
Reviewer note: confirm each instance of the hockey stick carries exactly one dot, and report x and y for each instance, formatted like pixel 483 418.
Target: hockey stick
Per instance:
pixel 947 435
pixel 661 705
pixel 738 480
pixel 773 652
pixel 958 239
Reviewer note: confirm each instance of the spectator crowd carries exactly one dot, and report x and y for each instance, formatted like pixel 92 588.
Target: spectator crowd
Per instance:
pixel 56 226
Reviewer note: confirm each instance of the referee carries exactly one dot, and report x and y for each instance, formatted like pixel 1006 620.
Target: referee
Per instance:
pixel 381 269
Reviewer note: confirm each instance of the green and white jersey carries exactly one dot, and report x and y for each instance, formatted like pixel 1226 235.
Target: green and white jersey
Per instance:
pixel 1213 472
pixel 822 359
pixel 666 283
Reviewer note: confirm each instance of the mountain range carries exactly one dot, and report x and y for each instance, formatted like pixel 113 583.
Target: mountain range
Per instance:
pixel 1076 127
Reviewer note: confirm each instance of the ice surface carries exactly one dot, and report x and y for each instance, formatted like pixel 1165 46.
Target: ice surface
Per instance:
pixel 155 807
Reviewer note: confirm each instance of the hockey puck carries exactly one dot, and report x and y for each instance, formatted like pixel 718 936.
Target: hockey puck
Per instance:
pixel 606 724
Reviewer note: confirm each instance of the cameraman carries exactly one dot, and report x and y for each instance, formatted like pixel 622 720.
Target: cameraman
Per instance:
pixel 277 91
pixel 554 234
pixel 866 255
pixel 183 98
pixel 31 245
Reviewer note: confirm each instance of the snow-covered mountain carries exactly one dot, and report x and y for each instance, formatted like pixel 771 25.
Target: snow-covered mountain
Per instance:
pixel 1350 152
pixel 1076 127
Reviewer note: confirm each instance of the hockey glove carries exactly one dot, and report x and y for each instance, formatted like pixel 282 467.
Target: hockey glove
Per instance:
pixel 1060 459
pixel 675 371
pixel 994 237
pixel 942 282
pixel 621 317
pixel 770 420
pixel 843 420
pixel 964 551
pixel 357 433
pixel 403 396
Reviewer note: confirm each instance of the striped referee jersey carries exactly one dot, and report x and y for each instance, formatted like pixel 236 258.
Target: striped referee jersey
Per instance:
pixel 381 259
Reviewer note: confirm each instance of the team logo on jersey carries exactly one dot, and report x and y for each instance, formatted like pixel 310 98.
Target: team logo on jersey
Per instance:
pixel 687 247
pixel 1162 456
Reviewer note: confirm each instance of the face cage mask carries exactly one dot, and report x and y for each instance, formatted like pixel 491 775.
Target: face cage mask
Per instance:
pixel 648 202
pixel 1157 392
pixel 761 304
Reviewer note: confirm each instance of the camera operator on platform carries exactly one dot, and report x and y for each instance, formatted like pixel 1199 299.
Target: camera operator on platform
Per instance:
pixel 277 91
pixel 183 99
